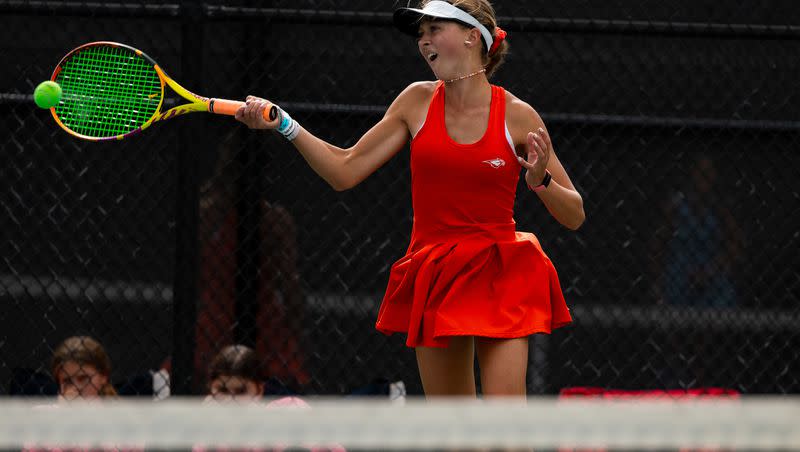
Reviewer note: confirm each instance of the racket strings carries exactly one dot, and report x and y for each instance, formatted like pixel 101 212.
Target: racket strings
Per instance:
pixel 108 91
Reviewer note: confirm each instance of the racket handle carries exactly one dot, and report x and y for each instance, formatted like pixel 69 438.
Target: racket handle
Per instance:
pixel 229 107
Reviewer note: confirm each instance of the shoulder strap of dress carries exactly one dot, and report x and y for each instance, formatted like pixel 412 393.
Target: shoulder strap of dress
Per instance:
pixel 436 107
pixel 431 115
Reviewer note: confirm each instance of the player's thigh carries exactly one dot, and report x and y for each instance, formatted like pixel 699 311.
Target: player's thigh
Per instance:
pixel 448 371
pixel 503 364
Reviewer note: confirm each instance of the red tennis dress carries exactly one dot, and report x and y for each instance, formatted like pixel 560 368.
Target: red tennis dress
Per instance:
pixel 468 272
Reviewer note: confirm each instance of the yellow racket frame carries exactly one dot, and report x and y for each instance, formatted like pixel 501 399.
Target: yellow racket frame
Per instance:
pixel 196 103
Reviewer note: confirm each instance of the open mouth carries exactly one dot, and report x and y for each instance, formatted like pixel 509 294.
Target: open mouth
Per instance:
pixel 432 56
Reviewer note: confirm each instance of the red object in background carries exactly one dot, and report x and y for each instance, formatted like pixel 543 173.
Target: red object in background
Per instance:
pixel 589 391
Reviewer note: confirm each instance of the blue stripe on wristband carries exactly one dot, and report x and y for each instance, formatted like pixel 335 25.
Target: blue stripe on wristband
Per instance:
pixel 286 121
pixel 288 127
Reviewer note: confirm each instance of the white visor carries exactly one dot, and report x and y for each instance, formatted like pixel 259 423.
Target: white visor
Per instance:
pixel 408 19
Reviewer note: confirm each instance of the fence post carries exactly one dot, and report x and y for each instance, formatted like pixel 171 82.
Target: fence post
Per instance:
pixel 250 214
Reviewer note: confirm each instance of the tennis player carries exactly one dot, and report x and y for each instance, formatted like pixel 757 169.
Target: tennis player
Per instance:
pixel 469 283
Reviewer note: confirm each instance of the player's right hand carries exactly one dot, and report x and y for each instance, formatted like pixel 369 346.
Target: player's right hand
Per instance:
pixel 252 113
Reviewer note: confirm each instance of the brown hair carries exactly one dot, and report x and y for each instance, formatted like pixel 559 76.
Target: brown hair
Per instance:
pixel 483 12
pixel 235 361
pixel 85 351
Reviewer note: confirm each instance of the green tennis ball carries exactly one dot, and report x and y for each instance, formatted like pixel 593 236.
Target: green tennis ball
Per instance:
pixel 47 94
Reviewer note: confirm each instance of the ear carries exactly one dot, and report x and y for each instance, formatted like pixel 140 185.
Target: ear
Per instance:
pixel 473 37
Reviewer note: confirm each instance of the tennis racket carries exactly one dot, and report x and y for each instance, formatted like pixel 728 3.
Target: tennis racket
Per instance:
pixel 111 91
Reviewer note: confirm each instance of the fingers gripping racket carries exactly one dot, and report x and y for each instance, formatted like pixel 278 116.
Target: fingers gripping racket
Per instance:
pixel 111 91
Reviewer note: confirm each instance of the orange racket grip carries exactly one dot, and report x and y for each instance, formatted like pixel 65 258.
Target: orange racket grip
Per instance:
pixel 229 107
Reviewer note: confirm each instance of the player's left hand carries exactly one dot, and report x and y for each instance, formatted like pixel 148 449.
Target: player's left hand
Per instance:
pixel 538 148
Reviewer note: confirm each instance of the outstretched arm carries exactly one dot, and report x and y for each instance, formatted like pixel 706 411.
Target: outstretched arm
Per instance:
pixel 346 168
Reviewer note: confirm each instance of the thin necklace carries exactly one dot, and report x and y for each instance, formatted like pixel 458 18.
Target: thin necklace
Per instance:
pixel 465 76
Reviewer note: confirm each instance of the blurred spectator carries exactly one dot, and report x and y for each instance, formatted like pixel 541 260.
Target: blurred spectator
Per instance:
pixel 82 369
pixel 279 313
pixel 696 256
pixel 697 251
pixel 234 374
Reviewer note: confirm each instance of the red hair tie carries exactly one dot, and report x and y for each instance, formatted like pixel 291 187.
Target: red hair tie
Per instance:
pixel 499 36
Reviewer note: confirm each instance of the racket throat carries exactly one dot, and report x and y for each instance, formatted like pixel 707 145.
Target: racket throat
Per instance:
pixel 179 110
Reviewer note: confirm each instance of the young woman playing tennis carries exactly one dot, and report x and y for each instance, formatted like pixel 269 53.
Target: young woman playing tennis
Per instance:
pixel 469 282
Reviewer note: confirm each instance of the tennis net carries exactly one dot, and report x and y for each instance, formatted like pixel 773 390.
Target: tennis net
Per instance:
pixel 358 424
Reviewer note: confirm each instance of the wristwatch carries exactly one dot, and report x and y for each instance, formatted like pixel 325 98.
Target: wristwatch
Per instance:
pixel 544 184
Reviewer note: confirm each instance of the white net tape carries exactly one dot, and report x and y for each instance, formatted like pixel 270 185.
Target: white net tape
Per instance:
pixel 738 424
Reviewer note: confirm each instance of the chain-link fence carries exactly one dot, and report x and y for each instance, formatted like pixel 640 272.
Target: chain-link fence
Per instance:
pixel 677 121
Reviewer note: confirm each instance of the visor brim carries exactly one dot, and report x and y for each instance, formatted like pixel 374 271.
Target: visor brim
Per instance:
pixel 407 20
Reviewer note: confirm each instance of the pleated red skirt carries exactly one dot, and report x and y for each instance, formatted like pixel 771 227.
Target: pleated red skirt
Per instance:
pixel 499 289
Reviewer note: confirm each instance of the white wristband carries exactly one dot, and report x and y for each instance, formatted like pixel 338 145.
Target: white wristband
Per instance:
pixel 288 127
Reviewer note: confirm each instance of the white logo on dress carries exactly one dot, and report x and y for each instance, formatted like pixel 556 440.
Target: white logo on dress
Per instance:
pixel 495 163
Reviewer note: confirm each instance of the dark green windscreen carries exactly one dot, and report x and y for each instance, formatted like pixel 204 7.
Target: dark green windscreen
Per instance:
pixel 107 91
